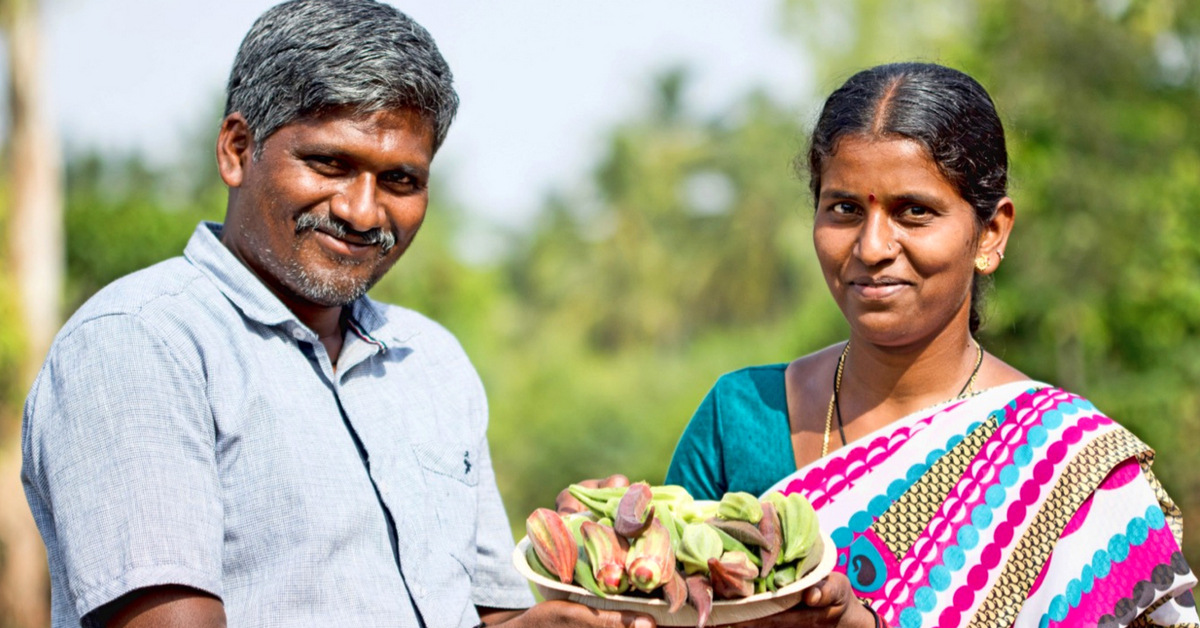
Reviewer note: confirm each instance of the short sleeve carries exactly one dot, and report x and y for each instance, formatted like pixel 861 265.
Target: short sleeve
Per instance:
pixel 496 582
pixel 119 463
pixel 697 463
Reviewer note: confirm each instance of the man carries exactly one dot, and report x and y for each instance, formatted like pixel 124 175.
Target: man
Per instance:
pixel 239 436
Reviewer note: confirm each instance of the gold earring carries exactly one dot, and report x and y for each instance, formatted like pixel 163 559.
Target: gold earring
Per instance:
pixel 982 263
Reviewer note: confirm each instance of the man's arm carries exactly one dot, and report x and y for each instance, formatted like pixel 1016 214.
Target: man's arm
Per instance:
pixel 494 616
pixel 119 448
pixel 163 607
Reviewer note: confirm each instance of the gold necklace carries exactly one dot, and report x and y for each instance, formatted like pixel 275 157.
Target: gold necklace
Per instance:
pixel 966 391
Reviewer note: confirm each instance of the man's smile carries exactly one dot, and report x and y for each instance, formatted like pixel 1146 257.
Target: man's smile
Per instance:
pixel 336 238
pixel 345 245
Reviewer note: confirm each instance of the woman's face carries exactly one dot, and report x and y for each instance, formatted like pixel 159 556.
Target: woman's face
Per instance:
pixel 896 242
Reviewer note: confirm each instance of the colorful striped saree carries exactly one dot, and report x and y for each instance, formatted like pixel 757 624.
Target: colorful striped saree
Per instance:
pixel 1022 505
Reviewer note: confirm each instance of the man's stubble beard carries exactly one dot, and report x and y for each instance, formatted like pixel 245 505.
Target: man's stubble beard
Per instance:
pixel 320 285
pixel 327 286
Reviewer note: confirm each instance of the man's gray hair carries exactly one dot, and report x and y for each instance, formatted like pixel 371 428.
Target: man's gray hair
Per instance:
pixel 304 58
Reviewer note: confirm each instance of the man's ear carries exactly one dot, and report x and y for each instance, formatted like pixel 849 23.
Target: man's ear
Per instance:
pixel 235 148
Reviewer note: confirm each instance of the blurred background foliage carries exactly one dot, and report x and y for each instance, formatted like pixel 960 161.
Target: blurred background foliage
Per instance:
pixel 599 326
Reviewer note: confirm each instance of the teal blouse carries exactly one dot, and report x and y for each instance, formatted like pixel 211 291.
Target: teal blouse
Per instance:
pixel 739 439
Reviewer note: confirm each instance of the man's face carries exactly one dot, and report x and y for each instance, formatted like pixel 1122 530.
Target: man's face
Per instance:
pixel 330 203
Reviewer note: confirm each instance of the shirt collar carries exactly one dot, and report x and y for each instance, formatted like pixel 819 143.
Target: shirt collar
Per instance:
pixel 250 295
pixel 372 325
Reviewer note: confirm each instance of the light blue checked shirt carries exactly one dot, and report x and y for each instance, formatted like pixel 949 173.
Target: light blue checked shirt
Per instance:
pixel 187 429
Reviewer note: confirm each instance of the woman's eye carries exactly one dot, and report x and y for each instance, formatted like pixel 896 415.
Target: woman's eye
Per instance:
pixel 916 211
pixel 843 208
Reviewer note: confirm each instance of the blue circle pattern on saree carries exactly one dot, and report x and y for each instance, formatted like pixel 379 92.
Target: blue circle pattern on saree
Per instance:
pixel 982 516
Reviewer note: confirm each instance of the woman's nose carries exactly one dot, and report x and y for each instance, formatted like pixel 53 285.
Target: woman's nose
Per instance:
pixel 876 240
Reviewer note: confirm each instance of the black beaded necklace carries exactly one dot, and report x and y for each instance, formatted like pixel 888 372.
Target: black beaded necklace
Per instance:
pixel 836 409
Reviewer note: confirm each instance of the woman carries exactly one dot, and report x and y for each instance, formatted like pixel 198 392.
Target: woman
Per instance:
pixel 958 492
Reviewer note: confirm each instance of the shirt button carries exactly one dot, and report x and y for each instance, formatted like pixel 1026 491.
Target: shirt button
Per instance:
pixel 298 333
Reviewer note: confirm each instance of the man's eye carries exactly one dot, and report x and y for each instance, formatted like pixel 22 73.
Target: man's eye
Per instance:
pixel 398 178
pixel 324 163
pixel 401 180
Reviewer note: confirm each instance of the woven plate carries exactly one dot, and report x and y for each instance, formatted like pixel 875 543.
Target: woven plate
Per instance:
pixel 723 611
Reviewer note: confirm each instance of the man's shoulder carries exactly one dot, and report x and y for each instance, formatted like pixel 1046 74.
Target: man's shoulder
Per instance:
pixel 167 290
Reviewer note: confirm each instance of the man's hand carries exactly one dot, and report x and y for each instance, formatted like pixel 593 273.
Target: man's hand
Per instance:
pixel 163 607
pixel 560 613
pixel 567 614
pixel 829 603
pixel 565 503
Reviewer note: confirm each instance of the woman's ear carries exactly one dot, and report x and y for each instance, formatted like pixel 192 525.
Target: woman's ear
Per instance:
pixel 235 148
pixel 994 239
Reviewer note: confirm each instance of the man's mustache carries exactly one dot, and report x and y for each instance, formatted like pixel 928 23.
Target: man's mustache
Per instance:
pixel 338 228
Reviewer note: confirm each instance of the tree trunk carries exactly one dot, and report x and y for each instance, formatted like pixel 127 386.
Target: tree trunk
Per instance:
pixel 35 255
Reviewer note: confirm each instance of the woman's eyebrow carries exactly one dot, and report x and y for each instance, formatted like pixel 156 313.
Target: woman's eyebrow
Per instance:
pixel 912 198
pixel 835 193
pixel 916 198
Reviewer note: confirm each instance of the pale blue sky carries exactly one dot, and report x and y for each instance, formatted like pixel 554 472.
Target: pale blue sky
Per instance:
pixel 539 79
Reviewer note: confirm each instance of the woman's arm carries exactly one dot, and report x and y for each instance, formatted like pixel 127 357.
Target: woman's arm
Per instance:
pixel 697 464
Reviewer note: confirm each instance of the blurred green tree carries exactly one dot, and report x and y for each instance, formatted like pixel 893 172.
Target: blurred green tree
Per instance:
pixel 687 255
pixel 30 308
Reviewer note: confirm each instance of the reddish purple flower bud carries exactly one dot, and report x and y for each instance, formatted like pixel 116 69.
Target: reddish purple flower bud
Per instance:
pixel 606 552
pixel 553 543
pixel 634 512
pixel 732 575
pixel 651 559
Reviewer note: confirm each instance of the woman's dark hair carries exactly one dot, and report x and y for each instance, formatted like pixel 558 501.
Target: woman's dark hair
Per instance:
pixel 945 110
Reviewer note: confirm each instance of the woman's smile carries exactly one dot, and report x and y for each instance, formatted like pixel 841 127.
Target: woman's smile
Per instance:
pixel 878 288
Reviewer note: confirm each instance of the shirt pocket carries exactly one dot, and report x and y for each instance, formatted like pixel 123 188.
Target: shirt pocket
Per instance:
pixel 451 478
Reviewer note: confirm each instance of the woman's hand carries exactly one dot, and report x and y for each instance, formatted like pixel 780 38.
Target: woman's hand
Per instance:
pixel 565 503
pixel 830 602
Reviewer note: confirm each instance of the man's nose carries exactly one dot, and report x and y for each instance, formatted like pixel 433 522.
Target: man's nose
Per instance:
pixel 876 240
pixel 355 203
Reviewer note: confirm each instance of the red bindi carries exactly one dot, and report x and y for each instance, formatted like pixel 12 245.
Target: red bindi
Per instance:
pixel 871 198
